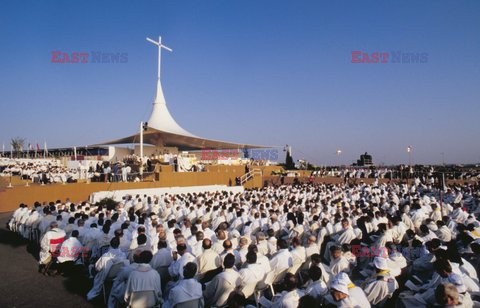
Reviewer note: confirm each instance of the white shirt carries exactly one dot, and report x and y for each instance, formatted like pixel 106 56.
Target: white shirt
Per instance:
pixel 143 278
pixel 185 290
pixel 71 250
pixel 281 261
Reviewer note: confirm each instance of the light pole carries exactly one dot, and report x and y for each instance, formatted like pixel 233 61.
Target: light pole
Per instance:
pixel 409 151
pixel 339 152
pixel 141 149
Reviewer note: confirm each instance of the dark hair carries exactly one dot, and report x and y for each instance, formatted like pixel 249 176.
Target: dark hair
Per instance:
pixel 189 270
pixel 282 244
pixel 315 272
pixel 114 242
pixel 162 244
pixel 229 261
pixel 251 257
pixel 145 257
pixel 141 239
pixel 290 282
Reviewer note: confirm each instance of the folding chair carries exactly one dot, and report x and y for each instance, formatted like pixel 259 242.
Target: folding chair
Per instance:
pixel 112 273
pixel 143 299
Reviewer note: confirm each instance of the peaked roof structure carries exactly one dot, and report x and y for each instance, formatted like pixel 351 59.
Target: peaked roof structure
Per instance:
pixel 163 130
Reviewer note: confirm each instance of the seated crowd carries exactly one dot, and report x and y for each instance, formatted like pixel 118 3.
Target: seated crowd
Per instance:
pixel 309 245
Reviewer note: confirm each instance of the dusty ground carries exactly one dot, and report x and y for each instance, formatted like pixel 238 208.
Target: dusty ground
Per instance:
pixel 22 286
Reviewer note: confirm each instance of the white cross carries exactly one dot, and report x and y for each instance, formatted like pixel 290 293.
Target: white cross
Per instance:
pixel 160 46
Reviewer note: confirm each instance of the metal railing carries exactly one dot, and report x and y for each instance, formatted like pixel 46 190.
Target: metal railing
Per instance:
pixel 249 175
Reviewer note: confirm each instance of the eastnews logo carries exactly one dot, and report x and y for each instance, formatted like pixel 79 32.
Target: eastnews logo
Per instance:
pixel 256 154
pixel 393 57
pixel 92 57
pixel 374 251
pixel 74 252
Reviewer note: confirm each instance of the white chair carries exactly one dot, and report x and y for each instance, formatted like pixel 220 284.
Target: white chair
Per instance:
pixel 248 289
pixel 112 273
pixel 262 286
pixel 143 299
pixel 196 303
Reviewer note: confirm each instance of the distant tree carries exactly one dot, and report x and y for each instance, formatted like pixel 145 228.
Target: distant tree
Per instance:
pixel 289 164
pixel 17 144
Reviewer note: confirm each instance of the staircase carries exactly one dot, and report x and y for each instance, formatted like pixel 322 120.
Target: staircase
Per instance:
pixel 252 174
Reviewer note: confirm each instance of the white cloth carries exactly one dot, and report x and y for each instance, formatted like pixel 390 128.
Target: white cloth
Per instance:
pixel 143 278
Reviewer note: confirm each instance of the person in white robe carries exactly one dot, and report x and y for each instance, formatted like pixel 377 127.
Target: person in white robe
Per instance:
pixel 114 256
pixel 53 238
pixel 346 235
pixel 250 275
pixel 298 253
pixel 117 293
pixel 181 258
pixel 338 262
pixel 282 260
pixel 425 294
pixel 144 278
pixel 447 295
pixel 291 296
pixel 218 290
pixel 381 286
pixel 163 256
pixel 71 250
pixel 340 294
pixel 317 288
pixel 186 289
pixel 209 260
pixel 443 232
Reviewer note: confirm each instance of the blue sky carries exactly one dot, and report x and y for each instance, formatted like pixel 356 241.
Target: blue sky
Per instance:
pixel 262 72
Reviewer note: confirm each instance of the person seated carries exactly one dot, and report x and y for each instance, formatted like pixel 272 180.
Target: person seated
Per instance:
pixel 70 252
pixel 208 260
pixel 343 293
pixel 447 295
pixel 218 290
pixel 291 296
pixel 316 288
pixel 338 262
pixel 144 278
pixel 382 284
pixel 53 238
pixel 181 257
pixel 186 289
pixel 250 275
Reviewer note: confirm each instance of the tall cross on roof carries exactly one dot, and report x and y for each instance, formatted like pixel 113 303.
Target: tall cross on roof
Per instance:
pixel 160 46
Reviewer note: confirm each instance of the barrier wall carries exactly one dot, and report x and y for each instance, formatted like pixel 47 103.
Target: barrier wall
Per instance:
pixel 10 198
pixel 118 194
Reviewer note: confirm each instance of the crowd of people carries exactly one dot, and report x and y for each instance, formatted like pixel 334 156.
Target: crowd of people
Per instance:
pixel 43 171
pixel 306 245
pixel 401 172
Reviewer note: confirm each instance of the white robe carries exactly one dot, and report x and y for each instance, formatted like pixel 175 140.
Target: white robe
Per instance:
pixel 217 291
pixel 379 289
pixel 49 243
pixel 185 290
pixel 71 250
pixel 281 261
pixel 288 299
pixel 143 278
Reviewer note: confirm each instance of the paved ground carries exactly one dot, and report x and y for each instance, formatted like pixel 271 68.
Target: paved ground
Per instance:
pixel 22 286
